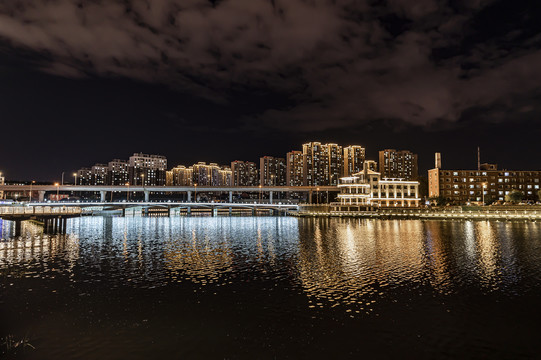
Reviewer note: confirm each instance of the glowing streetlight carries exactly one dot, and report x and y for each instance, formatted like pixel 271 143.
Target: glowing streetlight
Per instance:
pixel 128 192
pixel 484 187
pixel 32 183
pixel 317 196
pixel 75 176
pixel 260 193
pixel 57 190
pixel 195 189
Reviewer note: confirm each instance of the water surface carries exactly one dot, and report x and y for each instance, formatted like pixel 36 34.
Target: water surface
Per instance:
pixel 272 287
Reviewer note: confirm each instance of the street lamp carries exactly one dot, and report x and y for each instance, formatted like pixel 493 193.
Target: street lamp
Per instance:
pixel 260 193
pixel 75 181
pixel 317 194
pixel 128 192
pixel 57 190
pixel 195 189
pixel 484 187
pixel 32 183
pixel 62 178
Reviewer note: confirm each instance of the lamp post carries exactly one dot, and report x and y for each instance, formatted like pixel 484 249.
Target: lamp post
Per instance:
pixel 62 179
pixel 57 190
pixel 260 193
pixel 317 196
pixel 195 190
pixel 32 183
pixel 128 192
pixel 75 181
pixel 484 187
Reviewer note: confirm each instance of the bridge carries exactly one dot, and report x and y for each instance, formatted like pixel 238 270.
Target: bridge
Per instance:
pixel 54 215
pixel 54 219
pixel 147 190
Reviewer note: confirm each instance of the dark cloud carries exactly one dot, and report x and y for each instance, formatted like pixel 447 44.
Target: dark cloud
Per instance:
pixel 339 63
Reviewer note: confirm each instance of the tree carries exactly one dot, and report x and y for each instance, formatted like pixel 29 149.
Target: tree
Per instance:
pixel 489 199
pixel 514 196
pixel 439 200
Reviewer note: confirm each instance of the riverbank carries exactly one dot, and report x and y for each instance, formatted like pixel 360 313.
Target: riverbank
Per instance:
pixel 526 212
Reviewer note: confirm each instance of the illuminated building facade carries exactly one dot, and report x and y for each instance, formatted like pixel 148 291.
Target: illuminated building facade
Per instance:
pixel 294 168
pixel 400 164
pixel 84 176
pixel 180 176
pixel 322 163
pixel 368 189
pixel 147 170
pixel 225 177
pixel 272 171
pixel 99 174
pixel 2 182
pixel 118 172
pixel 486 184
pixel 244 173
pixel 354 156
pixel 202 173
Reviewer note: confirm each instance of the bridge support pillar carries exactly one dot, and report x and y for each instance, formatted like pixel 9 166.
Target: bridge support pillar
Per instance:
pixel 230 196
pixel 41 196
pixel 64 225
pixel 310 197
pixel 102 196
pixel 254 211
pixel 230 211
pixel 18 225
pixel 214 212
pixel 189 211
pixel 147 196
pixel 270 197
pixel 189 196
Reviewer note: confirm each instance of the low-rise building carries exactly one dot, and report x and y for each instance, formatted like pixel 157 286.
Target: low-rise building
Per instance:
pixel 483 185
pixel 368 189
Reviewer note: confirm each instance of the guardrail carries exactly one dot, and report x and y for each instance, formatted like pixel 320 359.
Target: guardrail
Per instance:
pixel 39 210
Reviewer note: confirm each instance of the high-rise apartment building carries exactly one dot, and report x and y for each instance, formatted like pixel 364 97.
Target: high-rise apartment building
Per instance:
pixel 313 164
pixel 244 173
pixel 225 177
pixel 2 182
pixel 334 163
pixel 181 176
pixel 84 176
pixel 148 170
pixel 398 164
pixel 322 163
pixel 294 168
pixel 202 174
pixel 99 174
pixel 354 156
pixel 118 172
pixel 272 171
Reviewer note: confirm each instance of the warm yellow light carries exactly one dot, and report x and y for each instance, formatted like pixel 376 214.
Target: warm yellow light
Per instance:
pixel 127 184
pixel 56 184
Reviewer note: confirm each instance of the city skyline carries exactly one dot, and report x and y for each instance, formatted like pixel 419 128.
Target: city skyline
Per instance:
pixel 425 76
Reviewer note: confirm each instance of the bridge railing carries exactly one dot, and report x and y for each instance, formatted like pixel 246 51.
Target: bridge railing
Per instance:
pixel 39 210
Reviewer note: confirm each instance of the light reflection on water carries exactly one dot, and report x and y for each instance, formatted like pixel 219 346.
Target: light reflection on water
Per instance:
pixel 320 267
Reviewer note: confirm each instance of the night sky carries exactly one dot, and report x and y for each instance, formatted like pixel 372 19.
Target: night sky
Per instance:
pixel 87 81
